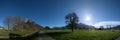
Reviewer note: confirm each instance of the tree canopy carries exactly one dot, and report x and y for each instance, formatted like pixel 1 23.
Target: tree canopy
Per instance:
pixel 72 20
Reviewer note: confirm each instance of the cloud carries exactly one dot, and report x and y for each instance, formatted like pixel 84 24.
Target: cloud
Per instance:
pixel 104 23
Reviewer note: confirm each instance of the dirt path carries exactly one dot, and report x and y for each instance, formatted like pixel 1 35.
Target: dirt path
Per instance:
pixel 43 36
pixel 118 38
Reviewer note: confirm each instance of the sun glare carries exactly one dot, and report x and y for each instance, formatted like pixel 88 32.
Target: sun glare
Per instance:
pixel 88 18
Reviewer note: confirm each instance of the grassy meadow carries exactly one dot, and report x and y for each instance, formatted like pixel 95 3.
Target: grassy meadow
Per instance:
pixel 83 34
pixel 24 33
pixel 4 33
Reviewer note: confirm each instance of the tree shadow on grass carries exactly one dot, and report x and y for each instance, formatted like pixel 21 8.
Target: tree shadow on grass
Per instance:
pixel 4 39
pixel 36 35
pixel 20 37
pixel 15 36
pixel 32 37
pixel 54 34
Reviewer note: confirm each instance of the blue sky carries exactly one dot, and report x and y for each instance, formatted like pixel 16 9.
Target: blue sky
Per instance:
pixel 52 12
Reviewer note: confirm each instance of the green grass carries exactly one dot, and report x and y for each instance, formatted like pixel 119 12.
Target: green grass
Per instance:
pixel 4 33
pixel 82 34
pixel 7 34
pixel 26 33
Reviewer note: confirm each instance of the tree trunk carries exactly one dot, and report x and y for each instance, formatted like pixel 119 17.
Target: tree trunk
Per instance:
pixel 72 27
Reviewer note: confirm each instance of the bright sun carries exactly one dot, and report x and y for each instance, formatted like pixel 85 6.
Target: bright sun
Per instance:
pixel 88 18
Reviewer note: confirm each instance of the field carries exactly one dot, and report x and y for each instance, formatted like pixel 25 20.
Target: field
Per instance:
pixel 24 33
pixel 68 35
pixel 4 34
pixel 83 34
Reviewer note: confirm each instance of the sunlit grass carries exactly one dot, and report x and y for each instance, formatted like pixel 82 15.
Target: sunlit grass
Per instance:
pixel 4 33
pixel 82 34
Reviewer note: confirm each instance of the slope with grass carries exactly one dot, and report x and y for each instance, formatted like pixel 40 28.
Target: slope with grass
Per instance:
pixel 82 34
pixel 26 33
pixel 4 34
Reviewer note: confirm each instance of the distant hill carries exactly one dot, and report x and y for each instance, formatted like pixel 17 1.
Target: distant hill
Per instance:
pixel 84 26
pixel 116 27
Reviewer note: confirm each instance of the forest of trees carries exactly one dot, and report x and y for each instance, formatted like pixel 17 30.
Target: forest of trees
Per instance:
pixel 16 23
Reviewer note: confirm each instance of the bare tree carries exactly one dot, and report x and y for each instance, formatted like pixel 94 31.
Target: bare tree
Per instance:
pixel 72 20
pixel 7 22
pixel 11 21
pixel 17 19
